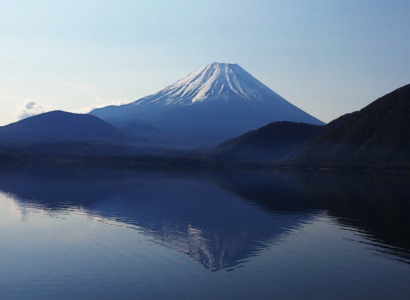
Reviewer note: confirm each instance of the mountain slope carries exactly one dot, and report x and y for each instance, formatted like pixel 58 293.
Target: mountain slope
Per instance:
pixel 376 136
pixel 60 127
pixel 275 141
pixel 208 106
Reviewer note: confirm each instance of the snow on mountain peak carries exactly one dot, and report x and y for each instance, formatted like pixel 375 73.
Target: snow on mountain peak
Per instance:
pixel 208 106
pixel 217 80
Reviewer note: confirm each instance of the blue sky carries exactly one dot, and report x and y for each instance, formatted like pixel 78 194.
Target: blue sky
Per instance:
pixel 326 57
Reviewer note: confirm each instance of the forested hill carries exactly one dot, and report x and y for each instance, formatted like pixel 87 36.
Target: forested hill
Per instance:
pixel 273 142
pixel 376 136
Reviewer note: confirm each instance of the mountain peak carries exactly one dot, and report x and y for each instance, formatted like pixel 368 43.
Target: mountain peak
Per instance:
pixel 208 106
pixel 222 65
pixel 217 80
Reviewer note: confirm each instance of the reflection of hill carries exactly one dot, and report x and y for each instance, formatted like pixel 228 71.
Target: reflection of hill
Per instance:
pixel 221 218
pixel 57 187
pixel 378 204
pixel 274 191
pixel 191 215
pixel 374 203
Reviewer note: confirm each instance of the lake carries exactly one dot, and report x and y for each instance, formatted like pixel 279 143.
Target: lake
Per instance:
pixel 103 233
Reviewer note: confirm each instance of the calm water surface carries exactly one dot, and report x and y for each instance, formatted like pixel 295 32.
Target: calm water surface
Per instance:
pixel 99 233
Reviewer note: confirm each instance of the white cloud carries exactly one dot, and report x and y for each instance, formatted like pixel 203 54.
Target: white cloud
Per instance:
pixel 102 103
pixel 30 108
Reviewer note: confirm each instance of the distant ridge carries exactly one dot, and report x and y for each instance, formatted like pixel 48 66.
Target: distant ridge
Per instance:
pixel 276 141
pixel 215 103
pixel 60 127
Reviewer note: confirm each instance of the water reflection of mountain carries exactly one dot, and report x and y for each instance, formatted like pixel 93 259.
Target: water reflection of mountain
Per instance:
pixel 222 218
pixel 376 204
pixel 271 190
pixel 184 211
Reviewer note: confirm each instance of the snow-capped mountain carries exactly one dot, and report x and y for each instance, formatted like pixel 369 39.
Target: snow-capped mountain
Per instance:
pixel 208 106
pixel 214 82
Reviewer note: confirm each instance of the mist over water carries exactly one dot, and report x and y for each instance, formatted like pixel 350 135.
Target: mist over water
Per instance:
pixel 101 233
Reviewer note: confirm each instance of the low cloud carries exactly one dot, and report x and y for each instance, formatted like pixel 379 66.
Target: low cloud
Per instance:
pixel 30 108
pixel 87 109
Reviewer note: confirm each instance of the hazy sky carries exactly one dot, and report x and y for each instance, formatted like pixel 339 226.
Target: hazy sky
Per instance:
pixel 326 57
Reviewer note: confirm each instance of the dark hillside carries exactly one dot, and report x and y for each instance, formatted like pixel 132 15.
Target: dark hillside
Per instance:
pixel 377 136
pixel 60 127
pixel 273 142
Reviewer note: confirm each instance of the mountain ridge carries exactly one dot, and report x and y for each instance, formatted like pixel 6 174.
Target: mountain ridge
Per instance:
pixel 276 141
pixel 59 126
pixel 210 105
pixel 376 136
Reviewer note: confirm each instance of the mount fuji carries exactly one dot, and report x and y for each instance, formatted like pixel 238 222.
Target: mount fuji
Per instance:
pixel 211 105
